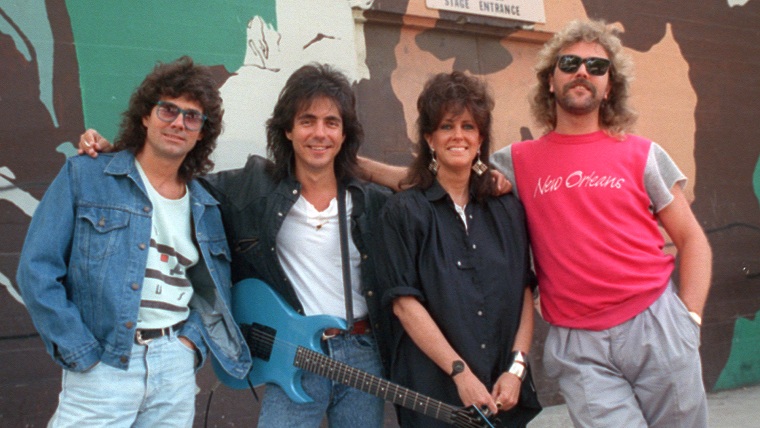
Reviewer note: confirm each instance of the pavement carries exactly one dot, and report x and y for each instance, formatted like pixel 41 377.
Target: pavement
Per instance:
pixel 736 408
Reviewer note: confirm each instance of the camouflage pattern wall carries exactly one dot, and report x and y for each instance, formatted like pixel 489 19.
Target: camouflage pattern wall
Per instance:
pixel 70 65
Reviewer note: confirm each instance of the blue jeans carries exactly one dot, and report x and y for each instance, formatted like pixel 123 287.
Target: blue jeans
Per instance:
pixel 158 389
pixel 344 406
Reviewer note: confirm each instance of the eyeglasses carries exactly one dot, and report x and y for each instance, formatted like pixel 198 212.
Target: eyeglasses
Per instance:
pixel 594 66
pixel 168 112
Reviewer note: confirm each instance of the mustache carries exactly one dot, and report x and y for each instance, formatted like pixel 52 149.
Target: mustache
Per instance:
pixel 580 82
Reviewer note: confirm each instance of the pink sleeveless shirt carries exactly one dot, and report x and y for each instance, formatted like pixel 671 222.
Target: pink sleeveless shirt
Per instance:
pixel 597 246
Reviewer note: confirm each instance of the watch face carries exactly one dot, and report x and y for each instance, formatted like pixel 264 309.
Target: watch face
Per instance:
pixel 457 367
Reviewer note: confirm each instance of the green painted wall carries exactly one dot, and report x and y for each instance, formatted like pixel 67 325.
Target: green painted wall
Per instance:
pixel 118 43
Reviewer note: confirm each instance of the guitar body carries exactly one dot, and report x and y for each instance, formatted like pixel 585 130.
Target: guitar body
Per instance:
pixel 254 302
pixel 285 343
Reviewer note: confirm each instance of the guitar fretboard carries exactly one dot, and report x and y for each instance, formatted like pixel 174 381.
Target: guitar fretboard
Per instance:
pixel 339 372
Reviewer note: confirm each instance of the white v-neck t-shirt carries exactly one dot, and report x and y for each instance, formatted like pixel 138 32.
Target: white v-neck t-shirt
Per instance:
pixel 308 247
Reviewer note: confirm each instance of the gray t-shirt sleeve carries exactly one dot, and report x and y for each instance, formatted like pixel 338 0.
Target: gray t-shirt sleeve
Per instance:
pixel 660 175
pixel 502 161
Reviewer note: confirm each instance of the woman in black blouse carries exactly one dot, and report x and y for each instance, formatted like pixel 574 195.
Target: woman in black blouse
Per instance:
pixel 459 276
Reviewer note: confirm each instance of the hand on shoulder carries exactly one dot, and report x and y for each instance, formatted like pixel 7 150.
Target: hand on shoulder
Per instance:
pixel 91 143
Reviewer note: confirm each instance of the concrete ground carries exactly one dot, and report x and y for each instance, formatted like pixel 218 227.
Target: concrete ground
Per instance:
pixel 737 408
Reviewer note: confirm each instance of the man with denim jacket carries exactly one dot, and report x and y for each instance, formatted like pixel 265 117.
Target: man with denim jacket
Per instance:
pixel 281 220
pixel 125 269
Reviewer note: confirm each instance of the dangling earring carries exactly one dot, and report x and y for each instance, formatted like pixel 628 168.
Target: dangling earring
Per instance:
pixel 479 167
pixel 433 166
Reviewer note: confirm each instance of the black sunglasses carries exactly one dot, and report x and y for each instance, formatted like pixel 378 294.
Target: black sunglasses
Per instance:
pixel 594 66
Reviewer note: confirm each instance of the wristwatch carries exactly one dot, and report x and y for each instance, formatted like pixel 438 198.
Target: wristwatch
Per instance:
pixel 696 318
pixel 457 367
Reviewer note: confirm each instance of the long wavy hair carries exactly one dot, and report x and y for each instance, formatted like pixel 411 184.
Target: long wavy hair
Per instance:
pixel 304 86
pixel 452 93
pixel 179 78
pixel 615 115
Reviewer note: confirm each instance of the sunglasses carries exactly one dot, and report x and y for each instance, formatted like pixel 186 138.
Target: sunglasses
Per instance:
pixel 594 66
pixel 168 112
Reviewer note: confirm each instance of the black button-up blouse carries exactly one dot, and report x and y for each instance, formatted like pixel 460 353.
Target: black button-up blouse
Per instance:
pixel 470 279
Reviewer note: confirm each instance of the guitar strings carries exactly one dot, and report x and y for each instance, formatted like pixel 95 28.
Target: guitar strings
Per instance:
pixel 455 415
pixel 452 413
pixel 319 363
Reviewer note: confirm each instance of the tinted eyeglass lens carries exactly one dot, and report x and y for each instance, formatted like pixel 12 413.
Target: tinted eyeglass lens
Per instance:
pixel 594 66
pixel 597 66
pixel 569 63
pixel 168 112
pixel 193 120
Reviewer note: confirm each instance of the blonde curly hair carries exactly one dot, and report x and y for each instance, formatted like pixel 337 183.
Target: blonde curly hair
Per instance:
pixel 615 116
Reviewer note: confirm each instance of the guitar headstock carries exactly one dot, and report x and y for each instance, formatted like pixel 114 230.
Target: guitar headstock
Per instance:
pixel 472 417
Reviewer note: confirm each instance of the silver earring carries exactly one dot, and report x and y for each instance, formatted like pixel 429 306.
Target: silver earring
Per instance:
pixel 433 166
pixel 479 167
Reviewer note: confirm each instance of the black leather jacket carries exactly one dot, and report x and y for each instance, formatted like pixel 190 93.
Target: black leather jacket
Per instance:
pixel 254 207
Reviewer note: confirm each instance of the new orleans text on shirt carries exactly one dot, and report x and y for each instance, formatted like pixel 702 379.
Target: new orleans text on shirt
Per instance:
pixel 576 179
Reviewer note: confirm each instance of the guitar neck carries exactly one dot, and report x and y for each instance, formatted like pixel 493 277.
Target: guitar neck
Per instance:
pixel 325 366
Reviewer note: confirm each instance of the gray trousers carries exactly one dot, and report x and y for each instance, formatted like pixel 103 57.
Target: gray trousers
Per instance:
pixel 645 372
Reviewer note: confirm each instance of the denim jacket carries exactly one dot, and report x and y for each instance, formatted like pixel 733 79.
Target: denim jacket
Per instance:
pixel 254 207
pixel 83 263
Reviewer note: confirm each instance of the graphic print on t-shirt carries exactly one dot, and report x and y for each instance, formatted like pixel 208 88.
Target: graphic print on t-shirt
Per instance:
pixel 166 287
pixel 577 179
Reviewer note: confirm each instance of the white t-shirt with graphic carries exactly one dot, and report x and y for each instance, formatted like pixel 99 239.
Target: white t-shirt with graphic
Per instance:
pixel 166 290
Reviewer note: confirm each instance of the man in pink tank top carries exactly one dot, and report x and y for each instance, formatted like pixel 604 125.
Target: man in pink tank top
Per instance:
pixel 624 339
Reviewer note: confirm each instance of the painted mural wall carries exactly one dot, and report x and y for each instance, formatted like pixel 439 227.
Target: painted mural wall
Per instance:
pixel 69 65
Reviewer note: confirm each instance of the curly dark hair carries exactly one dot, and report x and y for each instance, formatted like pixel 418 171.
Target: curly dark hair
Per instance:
pixel 304 86
pixel 615 115
pixel 175 79
pixel 445 94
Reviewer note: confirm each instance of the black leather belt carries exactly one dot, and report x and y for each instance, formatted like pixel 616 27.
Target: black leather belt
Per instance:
pixel 145 335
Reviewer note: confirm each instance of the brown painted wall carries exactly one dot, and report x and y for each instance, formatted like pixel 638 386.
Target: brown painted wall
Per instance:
pixel 696 91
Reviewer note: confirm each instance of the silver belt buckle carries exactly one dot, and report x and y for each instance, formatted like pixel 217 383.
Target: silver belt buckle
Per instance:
pixel 326 336
pixel 140 340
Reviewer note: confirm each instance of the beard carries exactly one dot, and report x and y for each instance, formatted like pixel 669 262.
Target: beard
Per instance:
pixel 575 105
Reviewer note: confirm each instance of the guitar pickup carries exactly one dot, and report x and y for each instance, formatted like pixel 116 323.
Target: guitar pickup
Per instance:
pixel 260 339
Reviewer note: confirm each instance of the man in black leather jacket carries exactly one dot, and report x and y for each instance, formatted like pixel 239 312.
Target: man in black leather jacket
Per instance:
pixel 281 220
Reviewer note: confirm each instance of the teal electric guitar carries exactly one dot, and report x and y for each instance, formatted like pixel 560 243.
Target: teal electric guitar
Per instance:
pixel 284 343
